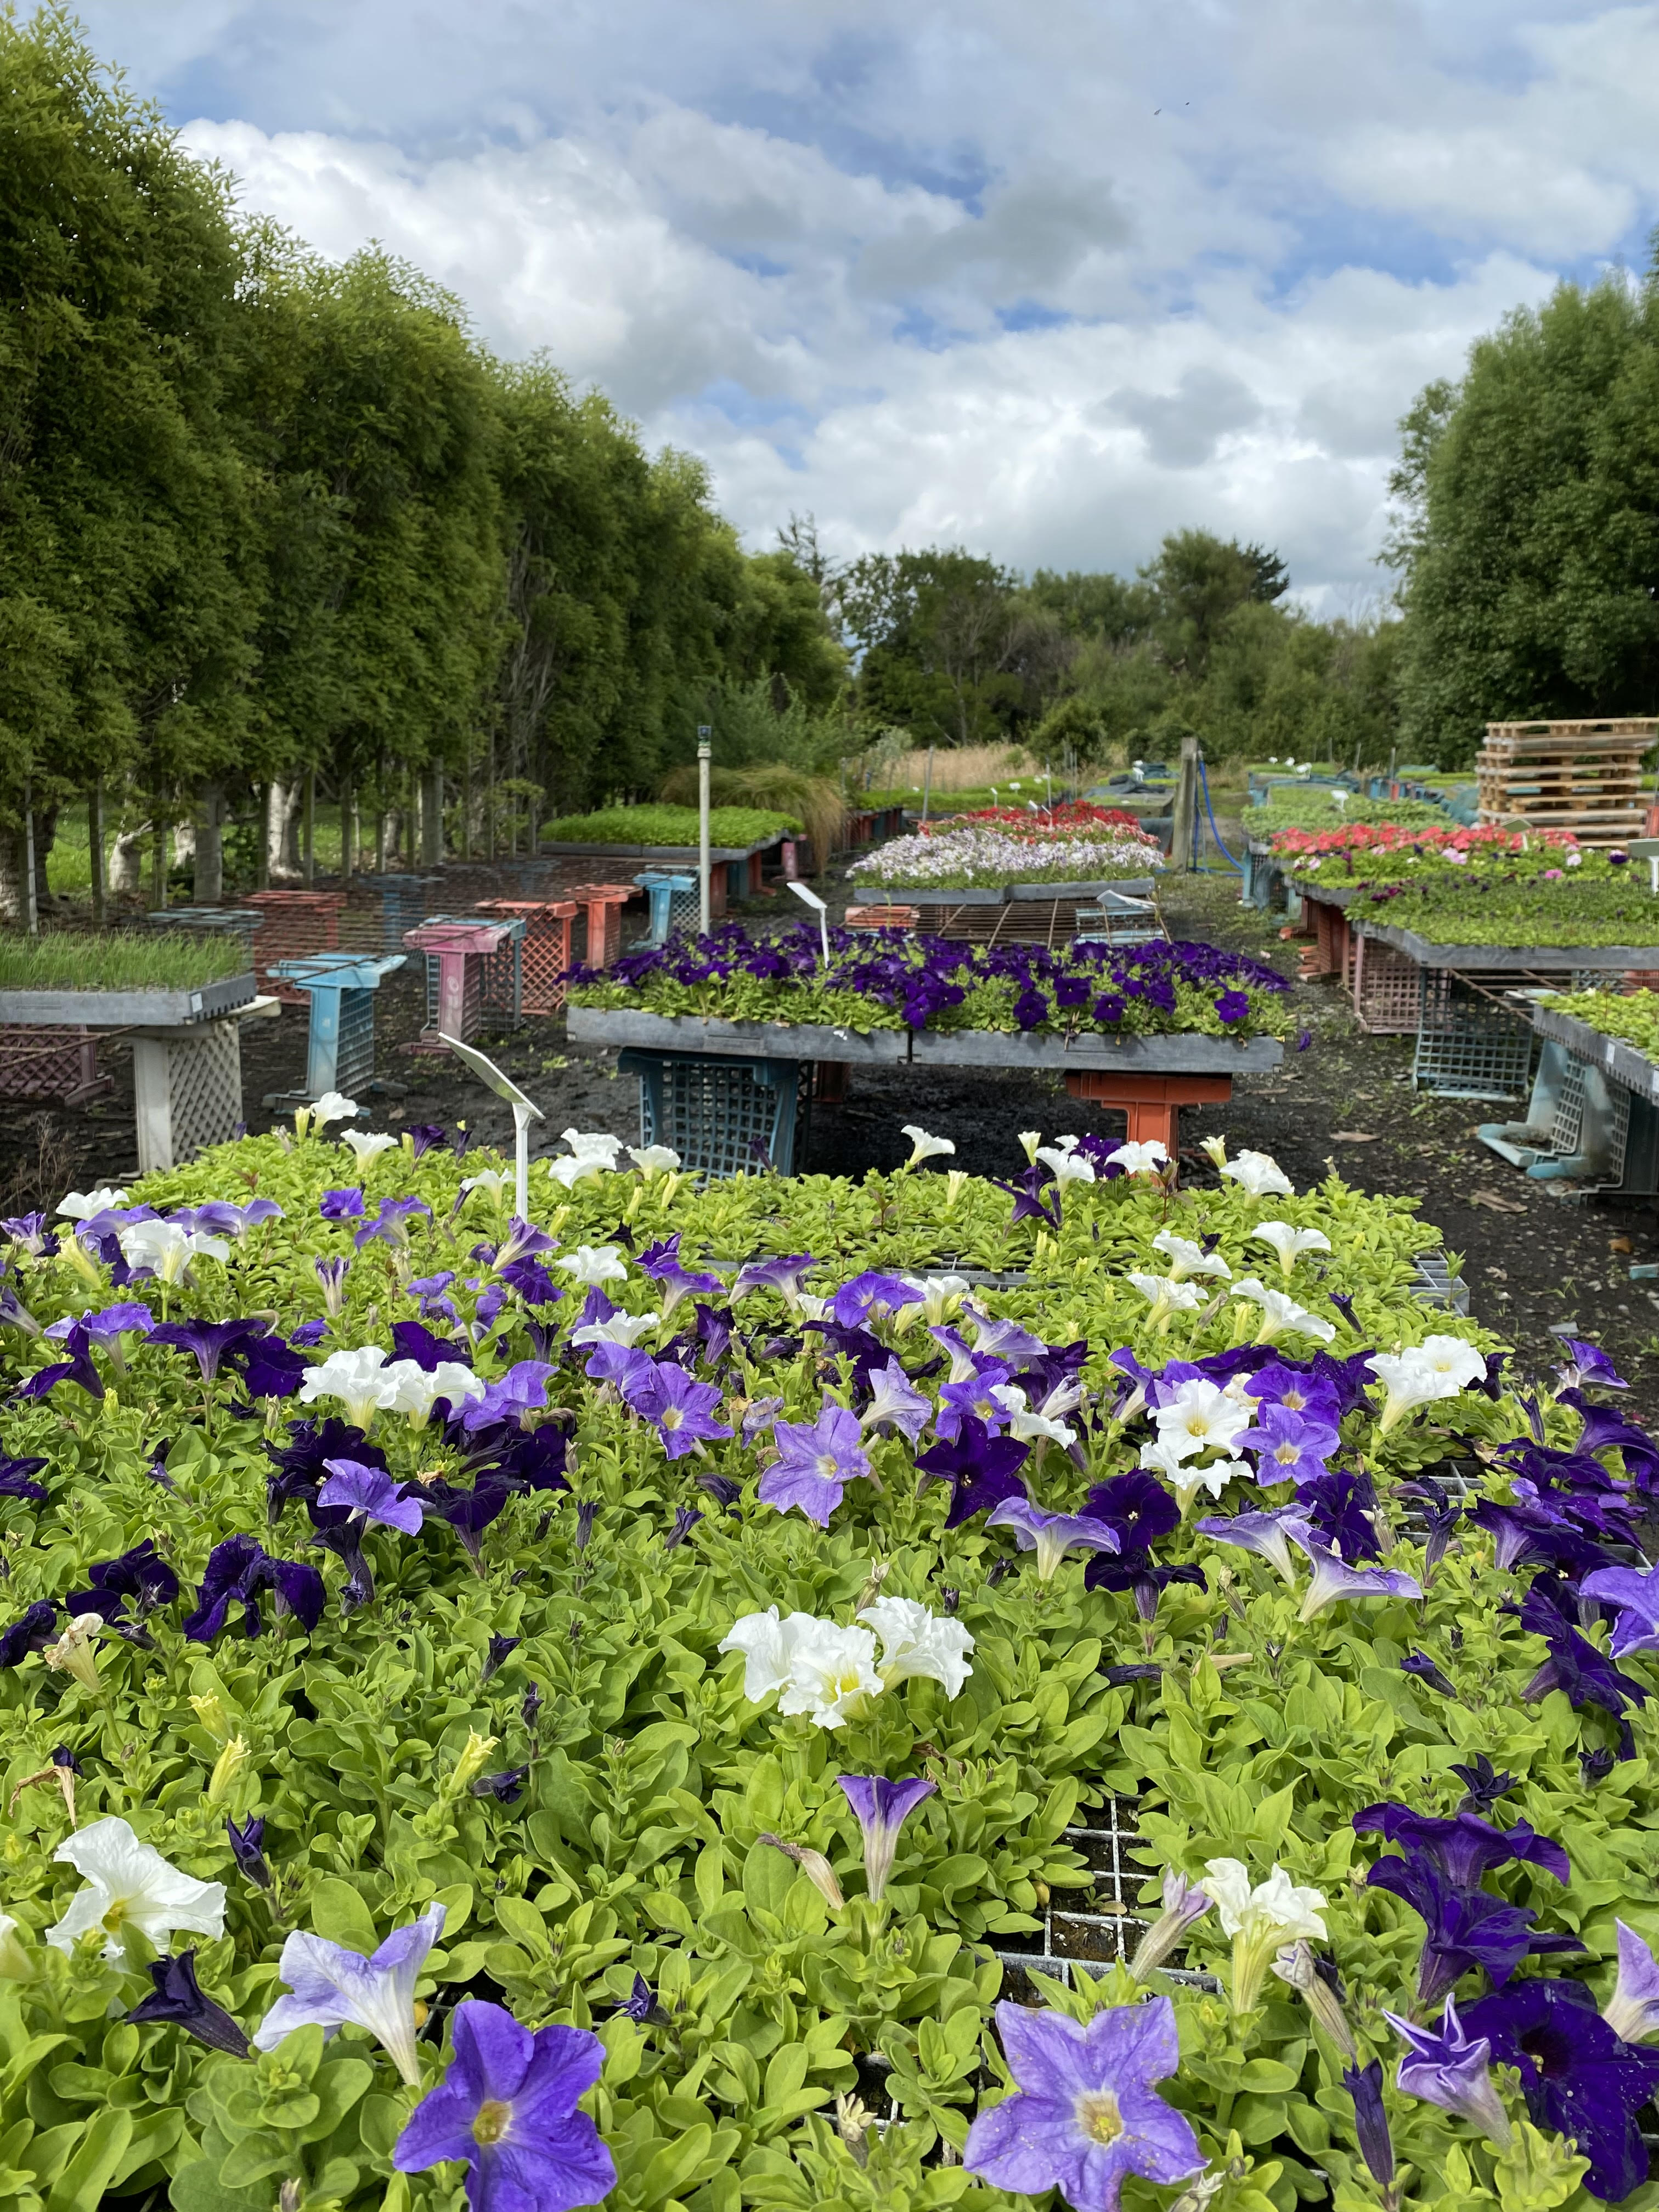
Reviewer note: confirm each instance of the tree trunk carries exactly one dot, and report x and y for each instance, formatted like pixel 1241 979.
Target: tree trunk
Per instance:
pixel 158 867
pixel 11 873
pixel 432 818
pixel 207 827
pixel 126 862
pixel 283 804
pixel 348 819
pixel 311 828
pixel 96 848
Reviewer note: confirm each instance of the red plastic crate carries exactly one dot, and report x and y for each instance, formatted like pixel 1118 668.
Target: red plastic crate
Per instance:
pixel 296 925
pixel 548 925
pixel 60 1063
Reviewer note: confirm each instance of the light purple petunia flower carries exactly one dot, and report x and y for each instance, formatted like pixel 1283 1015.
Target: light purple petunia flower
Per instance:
pixel 1268 1535
pixel 509 2107
pixel 521 1390
pixel 332 1985
pixel 391 1224
pixel 681 1410
pixel 371 1495
pixel 1289 1447
pixel 815 1463
pixel 342 1204
pixel 662 1263
pixel 523 1241
pixel 1632 2010
pixel 781 1276
pixel 1442 2066
pixel 130 1319
pixel 1085 2114
pixel 1589 1364
pixel 1636 1596
pixel 973 1399
pixel 1333 1579
pixel 894 1402
pixel 1051 1535
pixel 882 1808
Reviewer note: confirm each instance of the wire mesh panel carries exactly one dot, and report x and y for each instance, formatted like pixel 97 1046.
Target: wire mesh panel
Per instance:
pixel 1386 989
pixel 1470 1044
pixel 724 1117
pixel 354 1058
pixel 1596 1125
pixel 501 977
pixel 296 923
pixel 1091 1930
pixel 57 1063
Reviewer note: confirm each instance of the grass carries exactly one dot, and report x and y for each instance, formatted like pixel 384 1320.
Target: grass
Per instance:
pixel 66 961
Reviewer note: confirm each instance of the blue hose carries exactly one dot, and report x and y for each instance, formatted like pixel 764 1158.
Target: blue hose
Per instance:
pixel 1205 780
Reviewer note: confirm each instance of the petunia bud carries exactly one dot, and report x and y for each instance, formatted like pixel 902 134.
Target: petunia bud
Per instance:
pixel 1296 1965
pixel 471 1764
pixel 210 1712
pixel 15 1965
pixel 226 1768
pixel 814 1865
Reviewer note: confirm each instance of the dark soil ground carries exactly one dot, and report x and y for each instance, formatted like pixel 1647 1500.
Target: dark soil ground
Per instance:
pixel 1533 1262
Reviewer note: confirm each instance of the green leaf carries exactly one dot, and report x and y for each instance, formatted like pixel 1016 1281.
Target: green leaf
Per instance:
pixel 82 2184
pixel 339 1914
pixel 1537 2172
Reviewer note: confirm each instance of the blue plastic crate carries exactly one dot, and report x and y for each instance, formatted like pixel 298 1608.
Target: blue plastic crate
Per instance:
pixel 724 1117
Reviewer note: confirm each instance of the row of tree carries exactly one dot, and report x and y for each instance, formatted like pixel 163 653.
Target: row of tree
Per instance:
pixel 268 525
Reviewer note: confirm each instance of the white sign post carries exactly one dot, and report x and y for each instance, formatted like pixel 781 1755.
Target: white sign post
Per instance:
pixel 808 896
pixel 523 1111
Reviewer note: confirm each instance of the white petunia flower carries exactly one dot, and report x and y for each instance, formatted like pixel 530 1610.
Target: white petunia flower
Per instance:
pixel 1067 1167
pixel 1029 1140
pixel 1167 1293
pixel 937 1295
pixel 164 1250
pixel 1260 1920
pixel 82 1204
pixel 592 1264
pixel 1027 1427
pixel 592 1145
pixel 924 1147
pixel 367 1145
pixel 1281 1313
pixel 768 1646
pixel 358 1378
pixel 832 1674
pixel 1134 1159
pixel 1441 1367
pixel 73 1652
pixel 495 1182
pixel 332 1106
pixel 415 1390
pixel 1457 1363
pixel 1199 1415
pixel 621 1329
pixel 914 1641
pixel 1217 1149
pixel 1289 1244
pixel 1188 1258
pixel 654 1159
pixel 130 1884
pixel 1261 1175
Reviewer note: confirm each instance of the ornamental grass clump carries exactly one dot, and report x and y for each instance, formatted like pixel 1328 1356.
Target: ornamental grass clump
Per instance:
pixel 593 1707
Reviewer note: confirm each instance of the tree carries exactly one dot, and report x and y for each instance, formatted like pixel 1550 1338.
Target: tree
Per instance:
pixel 1528 525
pixel 1198 580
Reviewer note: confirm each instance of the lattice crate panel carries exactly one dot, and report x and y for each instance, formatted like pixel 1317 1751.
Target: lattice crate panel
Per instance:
pixel 296 924
pixel 546 957
pixel 499 987
pixel 60 1063
pixel 204 1088
pixel 714 1112
pixel 1567 1122
pixel 1386 989
pixel 353 1062
pixel 1470 1043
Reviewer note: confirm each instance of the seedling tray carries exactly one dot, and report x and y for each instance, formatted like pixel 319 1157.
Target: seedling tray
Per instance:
pixel 1519 959
pixel 1623 1062
pixel 113 1009
pixel 732 1040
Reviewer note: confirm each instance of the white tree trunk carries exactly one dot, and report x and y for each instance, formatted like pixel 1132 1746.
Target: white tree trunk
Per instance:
pixel 126 860
pixel 283 809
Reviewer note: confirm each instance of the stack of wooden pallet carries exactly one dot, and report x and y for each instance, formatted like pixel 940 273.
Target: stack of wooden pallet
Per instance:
pixel 1582 776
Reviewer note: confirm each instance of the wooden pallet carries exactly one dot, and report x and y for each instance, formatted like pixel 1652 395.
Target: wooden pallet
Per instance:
pixel 1584 776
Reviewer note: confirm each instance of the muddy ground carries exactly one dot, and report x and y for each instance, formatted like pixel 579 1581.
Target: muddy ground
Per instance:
pixel 1532 1262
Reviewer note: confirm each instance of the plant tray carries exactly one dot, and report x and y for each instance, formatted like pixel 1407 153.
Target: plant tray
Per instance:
pixel 1623 1062
pixel 1514 958
pixel 941 895
pixel 1097 888
pixel 1171 1054
pixel 732 1040
pixel 688 855
pixel 113 1009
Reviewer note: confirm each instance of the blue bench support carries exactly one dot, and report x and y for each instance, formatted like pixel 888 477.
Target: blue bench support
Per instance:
pixel 340 1040
pixel 673 902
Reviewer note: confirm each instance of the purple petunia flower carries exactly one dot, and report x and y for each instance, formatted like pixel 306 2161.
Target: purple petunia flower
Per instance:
pixel 1340 1509
pixel 390 1226
pixel 1051 1535
pixel 140 1577
pixel 29 1232
pixel 783 1275
pixel 1425 1670
pixel 1290 1446
pixel 176 1999
pixel 469 1512
pixel 661 1262
pixel 1579 2078
pixel 1233 1005
pixel 1139 1508
pixel 882 1808
pixel 815 1463
pixel 1332 1578
pixel 246 1848
pixel 1463 1929
pixel 1589 1364
pixel 332 1985
pixel 15 1482
pixel 1635 1595
pixel 238 1571
pixel 77 1368
pixel 681 1410
pixel 686 1518
pixel 342 1206
pixel 1575 1666
pixel 982 1469
pixel 206 1341
pixel 508 2106
pixel 1364 2085
pixel 1465 1847
pixel 1266 1534
pixel 1632 2010
pixel 108 1326
pixel 895 1404
pixel 1449 2068
pixel 371 1495
pixel 520 1391
pixel 1084 2114
pixel 34 1629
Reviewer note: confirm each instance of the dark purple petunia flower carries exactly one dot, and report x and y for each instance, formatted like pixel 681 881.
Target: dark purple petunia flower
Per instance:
pixel 1606 1428
pixel 429 1352
pixel 1342 1508
pixel 1482 1784
pixel 641 2005
pixel 1233 1005
pixel 1528 1537
pixel 1462 1929
pixel 15 1479
pixel 686 1518
pixel 1574 1666
pixel 238 1571
pixel 506 1788
pixel 77 1368
pixel 1425 1670
pixel 1027 1194
pixel 1364 2085
pixel 501 1649
pixel 302 1461
pixel 720 1488
pixel 1465 1847
pixel 1589 1364
pixel 248 1849
pixel 982 1469
pixel 531 1281
pixel 32 1631
pixel 140 1577
pixel 1579 2077
pixel 425 1137
pixel 270 1366
pixel 469 1512
pixel 1141 1575
pixel 177 2000
pixel 1137 1506
pixel 206 1341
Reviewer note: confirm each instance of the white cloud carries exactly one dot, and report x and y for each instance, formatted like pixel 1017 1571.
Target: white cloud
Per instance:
pixel 1051 280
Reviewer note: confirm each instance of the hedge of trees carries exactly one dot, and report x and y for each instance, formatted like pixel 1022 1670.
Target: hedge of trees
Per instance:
pixel 275 531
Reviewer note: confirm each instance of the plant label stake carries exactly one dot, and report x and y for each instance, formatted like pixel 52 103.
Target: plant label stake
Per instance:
pixel 809 897
pixel 523 1109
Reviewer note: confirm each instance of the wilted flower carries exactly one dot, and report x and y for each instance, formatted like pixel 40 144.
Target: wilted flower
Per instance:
pixel 1260 1919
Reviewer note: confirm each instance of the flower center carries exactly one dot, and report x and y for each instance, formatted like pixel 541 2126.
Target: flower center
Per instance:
pixel 827 1467
pixel 494 2117
pixel 672 1418
pixel 1286 1455
pixel 1294 1399
pixel 1097 2115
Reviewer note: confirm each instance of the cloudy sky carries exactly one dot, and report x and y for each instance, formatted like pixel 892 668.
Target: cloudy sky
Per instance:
pixel 1042 277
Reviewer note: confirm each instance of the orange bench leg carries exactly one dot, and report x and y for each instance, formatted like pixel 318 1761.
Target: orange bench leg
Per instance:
pixel 1151 1103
